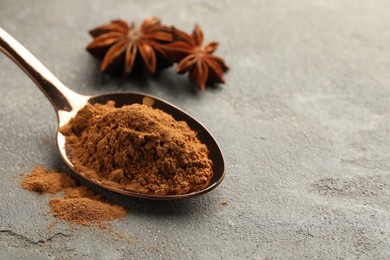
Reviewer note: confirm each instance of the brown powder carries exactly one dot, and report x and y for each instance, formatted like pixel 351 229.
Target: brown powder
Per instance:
pixel 82 206
pixel 79 205
pixel 137 148
pixel 46 181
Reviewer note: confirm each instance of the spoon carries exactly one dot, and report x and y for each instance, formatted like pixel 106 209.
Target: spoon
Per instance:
pixel 67 103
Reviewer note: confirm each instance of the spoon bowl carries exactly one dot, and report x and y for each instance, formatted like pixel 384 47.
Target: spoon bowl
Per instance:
pixel 67 103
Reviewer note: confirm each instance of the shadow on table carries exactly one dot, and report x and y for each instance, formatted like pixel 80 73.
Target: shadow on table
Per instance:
pixel 136 206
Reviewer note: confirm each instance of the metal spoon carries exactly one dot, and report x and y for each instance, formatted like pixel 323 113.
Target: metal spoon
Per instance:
pixel 67 103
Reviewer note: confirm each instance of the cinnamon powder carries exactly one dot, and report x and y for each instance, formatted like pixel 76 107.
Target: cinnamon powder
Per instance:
pixel 79 205
pixel 82 206
pixel 47 181
pixel 137 148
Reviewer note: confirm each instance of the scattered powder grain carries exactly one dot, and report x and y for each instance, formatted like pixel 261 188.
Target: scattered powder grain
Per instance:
pixel 79 204
pixel 224 202
pixel 137 148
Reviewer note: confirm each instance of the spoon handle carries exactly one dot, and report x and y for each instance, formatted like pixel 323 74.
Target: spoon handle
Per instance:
pixel 61 97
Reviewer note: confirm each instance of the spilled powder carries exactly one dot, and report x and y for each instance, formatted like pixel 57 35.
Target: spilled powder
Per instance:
pixel 224 202
pixel 79 204
pixel 137 148
pixel 47 181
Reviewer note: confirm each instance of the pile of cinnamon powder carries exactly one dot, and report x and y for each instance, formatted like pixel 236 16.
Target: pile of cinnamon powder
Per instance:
pixel 137 148
pixel 79 205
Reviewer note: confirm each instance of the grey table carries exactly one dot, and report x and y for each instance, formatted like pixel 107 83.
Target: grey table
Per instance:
pixel 303 122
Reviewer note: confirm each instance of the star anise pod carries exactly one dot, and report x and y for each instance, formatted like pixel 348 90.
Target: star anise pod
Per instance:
pixel 203 66
pixel 123 47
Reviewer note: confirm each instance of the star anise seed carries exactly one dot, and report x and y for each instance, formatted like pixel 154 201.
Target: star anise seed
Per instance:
pixel 122 47
pixel 198 60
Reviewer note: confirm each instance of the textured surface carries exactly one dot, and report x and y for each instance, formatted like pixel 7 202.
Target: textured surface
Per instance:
pixel 303 123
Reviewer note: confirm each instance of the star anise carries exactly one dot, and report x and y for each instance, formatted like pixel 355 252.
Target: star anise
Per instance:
pixel 203 66
pixel 123 47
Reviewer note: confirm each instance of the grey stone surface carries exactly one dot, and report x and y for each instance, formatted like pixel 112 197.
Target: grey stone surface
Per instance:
pixel 303 121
